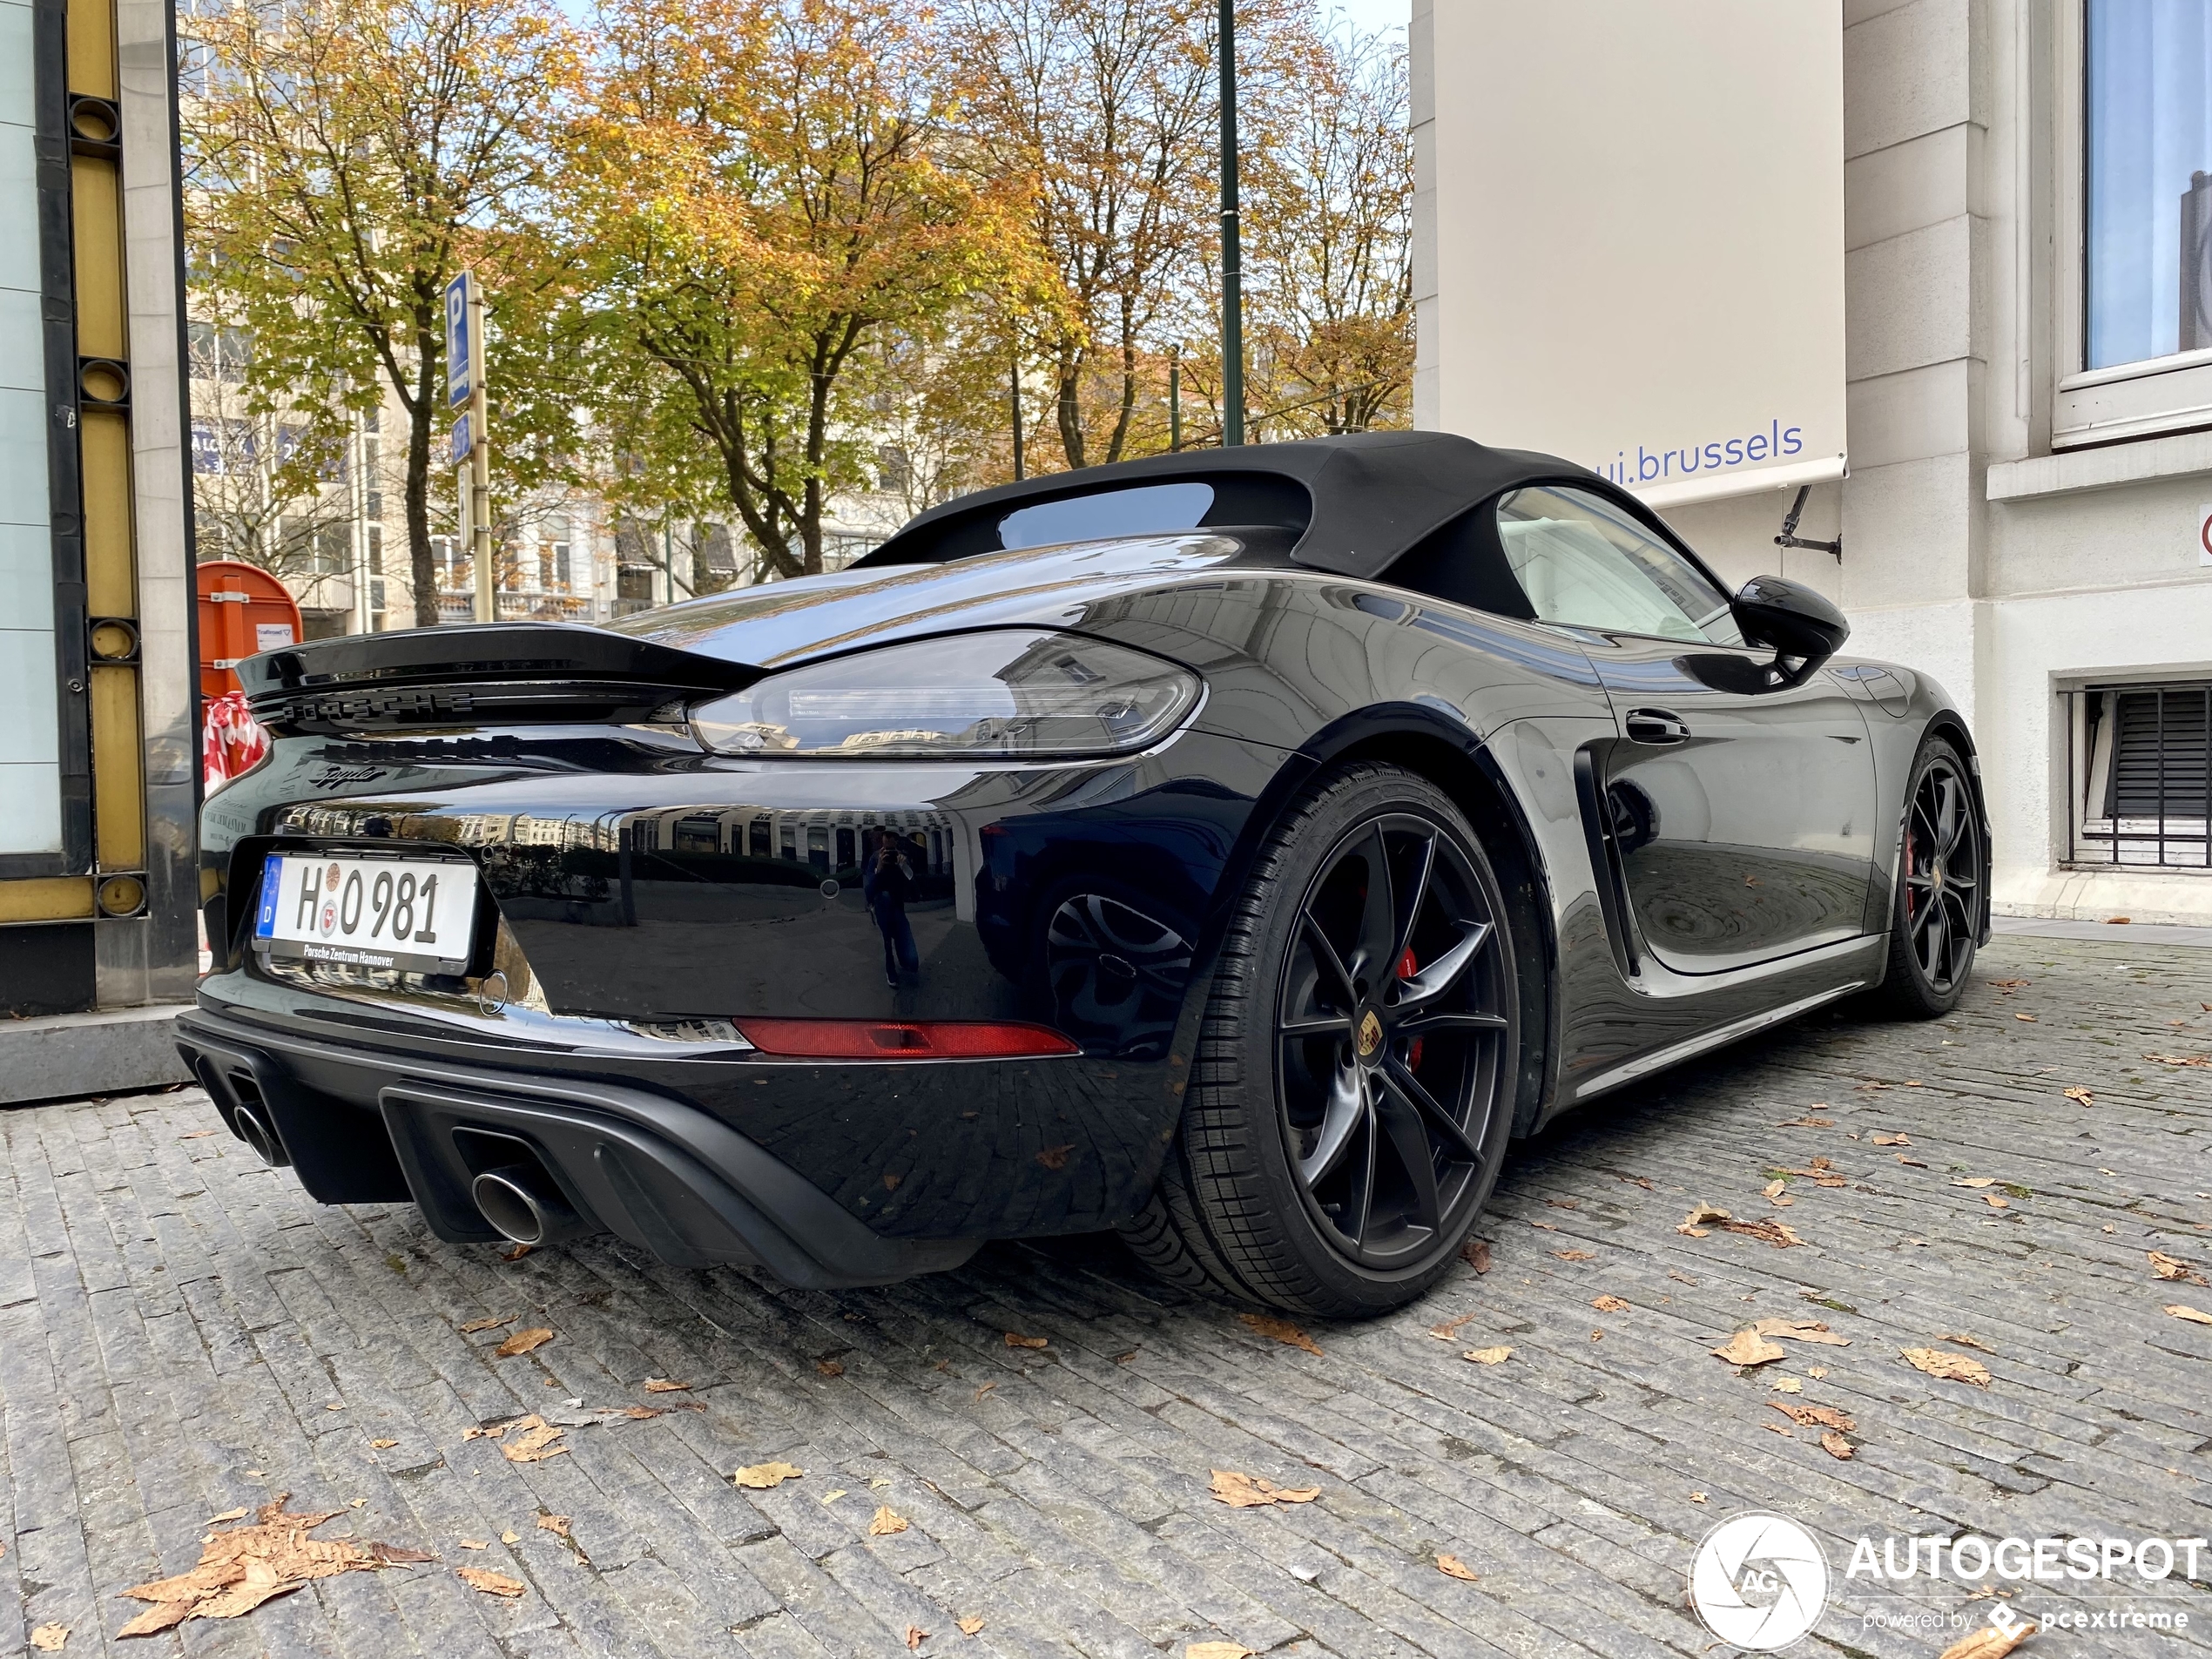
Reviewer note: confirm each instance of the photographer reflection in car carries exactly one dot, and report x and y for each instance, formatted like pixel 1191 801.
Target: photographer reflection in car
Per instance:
pixel 886 883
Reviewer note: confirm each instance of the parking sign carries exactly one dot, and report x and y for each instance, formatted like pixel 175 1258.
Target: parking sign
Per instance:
pixel 460 356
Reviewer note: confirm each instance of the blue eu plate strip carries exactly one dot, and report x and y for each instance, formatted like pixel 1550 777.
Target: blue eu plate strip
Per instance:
pixel 272 878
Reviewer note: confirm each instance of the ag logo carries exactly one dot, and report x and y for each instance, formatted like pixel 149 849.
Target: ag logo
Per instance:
pixel 1759 1582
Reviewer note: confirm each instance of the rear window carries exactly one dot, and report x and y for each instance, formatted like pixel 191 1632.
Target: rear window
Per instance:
pixel 1244 500
pixel 1142 511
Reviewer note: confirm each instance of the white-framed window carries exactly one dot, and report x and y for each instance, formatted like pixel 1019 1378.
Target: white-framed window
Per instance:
pixel 2134 287
pixel 2139 757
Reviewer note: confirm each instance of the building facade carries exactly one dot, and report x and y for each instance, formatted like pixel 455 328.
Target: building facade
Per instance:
pixel 99 772
pixel 2026 263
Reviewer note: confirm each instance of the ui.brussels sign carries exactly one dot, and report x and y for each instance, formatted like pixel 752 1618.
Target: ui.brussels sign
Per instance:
pixel 1638 232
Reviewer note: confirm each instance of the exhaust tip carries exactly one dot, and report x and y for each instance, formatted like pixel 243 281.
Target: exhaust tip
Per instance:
pixel 254 1130
pixel 522 1204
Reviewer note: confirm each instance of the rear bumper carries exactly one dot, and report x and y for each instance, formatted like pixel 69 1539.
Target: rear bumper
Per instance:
pixel 365 1126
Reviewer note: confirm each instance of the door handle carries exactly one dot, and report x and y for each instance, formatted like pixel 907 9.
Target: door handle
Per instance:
pixel 1655 726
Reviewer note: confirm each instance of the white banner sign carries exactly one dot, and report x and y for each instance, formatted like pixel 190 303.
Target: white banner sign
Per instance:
pixel 1638 227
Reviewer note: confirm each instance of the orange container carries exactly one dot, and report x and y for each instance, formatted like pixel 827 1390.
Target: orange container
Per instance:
pixel 243 610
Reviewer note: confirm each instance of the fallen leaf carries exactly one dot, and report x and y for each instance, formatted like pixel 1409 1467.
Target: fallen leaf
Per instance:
pixel 1564 1204
pixel 984 1389
pixel 1962 1338
pixel 970 1625
pixel 915 1636
pixel 1449 1328
pixel 539 1441
pixel 197 1135
pixel 49 1638
pixel 1974 1181
pixel 1816 1416
pixel 1643 1180
pixel 1808 1123
pixel 491 1324
pixel 1452 1566
pixel 1911 1163
pixel 1766 1230
pixel 1914 1083
pixel 510 1536
pixel 1216 1650
pixel 1280 1330
pixel 524 1342
pixel 1775 1189
pixel 762 1477
pixel 830 1367
pixel 1815 1371
pixel 1748 1347
pixel 162 1615
pixel 1015 1340
pixel 491 1583
pixel 1836 1445
pixel 1989 1643
pixel 2081 1095
pixel 2194 1316
pixel 887 1522
pixel 1609 1304
pixel 1123 1359
pixel 1543 1226
pixel 1488 1356
pixel 1476 1254
pixel 1892 1140
pixel 2199 1060
pixel 2008 985
pixel 2029 1018
pixel 2174 1268
pixel 2118 922
pixel 475 1543
pixel 227 1514
pixel 517 1253
pixel 1056 1157
pixel 1955 1367
pixel 1575 1255
pixel 1240 1491
pixel 559 1526
pixel 383 1445
pixel 1777 1428
pixel 1786 1385
pixel 1996 1202
pixel 1694 1223
pixel 663 1385
pixel 1697 1497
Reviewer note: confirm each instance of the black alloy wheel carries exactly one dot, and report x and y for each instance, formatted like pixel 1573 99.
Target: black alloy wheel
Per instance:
pixel 1940 870
pixel 1358 1066
pixel 1392 1019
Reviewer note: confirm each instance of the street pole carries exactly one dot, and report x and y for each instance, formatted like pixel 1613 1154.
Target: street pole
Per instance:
pixel 1015 384
pixel 1175 398
pixel 480 462
pixel 1232 295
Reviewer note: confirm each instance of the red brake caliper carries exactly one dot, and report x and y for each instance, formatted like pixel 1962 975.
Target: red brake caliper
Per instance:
pixel 1406 969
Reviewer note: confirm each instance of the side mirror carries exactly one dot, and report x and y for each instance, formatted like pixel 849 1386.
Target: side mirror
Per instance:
pixel 1793 618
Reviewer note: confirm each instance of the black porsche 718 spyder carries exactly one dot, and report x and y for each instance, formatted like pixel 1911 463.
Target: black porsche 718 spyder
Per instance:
pixel 1238 849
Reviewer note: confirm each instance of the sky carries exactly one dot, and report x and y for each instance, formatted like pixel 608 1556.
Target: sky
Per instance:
pixel 1371 16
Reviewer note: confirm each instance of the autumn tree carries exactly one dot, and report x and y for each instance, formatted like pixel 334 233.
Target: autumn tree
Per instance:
pixel 344 162
pixel 1328 176
pixel 759 190
pixel 1110 104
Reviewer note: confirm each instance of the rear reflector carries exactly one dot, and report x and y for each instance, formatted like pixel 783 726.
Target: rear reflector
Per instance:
pixel 904 1039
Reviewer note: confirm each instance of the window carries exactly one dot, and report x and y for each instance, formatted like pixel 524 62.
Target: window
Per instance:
pixel 1584 563
pixel 218 353
pixel 2133 279
pixel 2141 759
pixel 1145 510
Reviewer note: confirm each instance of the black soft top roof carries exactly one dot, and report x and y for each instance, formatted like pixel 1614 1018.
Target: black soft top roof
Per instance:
pixel 1374 495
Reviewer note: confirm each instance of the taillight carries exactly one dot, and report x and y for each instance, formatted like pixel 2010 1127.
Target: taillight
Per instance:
pixel 905 1039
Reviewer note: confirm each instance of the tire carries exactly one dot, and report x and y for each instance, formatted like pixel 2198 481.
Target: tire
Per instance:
pixel 1935 912
pixel 1327 1076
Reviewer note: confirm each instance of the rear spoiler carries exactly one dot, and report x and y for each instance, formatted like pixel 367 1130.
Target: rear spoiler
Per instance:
pixel 497 673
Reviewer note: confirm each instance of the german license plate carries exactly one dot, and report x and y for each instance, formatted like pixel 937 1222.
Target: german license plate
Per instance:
pixel 415 915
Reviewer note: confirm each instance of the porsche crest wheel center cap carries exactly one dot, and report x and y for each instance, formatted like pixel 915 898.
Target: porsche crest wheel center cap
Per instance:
pixel 1371 1033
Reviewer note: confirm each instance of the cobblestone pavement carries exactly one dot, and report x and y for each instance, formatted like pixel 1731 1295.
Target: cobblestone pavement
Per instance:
pixel 182 1334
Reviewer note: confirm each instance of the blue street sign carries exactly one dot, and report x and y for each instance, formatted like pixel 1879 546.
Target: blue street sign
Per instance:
pixel 461 442
pixel 460 354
